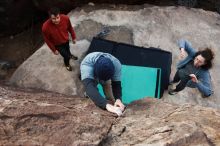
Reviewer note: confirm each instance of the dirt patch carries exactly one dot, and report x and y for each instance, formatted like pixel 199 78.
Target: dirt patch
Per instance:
pixel 89 28
pixel 17 48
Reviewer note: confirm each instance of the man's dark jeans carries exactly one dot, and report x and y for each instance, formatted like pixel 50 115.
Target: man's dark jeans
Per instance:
pixel 183 78
pixel 64 50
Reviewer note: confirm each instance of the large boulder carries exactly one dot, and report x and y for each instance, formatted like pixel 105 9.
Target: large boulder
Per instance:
pixel 155 123
pixel 36 117
pixel 42 118
pixel 149 27
pixel 47 71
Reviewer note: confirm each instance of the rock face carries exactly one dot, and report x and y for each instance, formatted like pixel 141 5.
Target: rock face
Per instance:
pixel 147 26
pixel 31 117
pixel 51 73
pixel 42 118
pixel 155 123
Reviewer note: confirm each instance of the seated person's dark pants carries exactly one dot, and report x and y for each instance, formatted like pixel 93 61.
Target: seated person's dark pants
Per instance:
pixel 183 78
pixel 64 50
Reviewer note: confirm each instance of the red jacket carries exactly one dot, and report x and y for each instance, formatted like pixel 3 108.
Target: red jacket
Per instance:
pixel 57 34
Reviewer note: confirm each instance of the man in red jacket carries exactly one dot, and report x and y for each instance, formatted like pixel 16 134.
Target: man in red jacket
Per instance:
pixel 56 35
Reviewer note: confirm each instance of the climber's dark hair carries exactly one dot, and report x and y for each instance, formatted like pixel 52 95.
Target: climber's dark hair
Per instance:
pixel 208 54
pixel 54 11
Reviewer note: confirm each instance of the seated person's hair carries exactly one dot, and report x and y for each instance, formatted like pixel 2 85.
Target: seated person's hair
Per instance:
pixel 208 54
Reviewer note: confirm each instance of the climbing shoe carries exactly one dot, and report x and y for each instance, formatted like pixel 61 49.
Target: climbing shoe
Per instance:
pixel 69 68
pixel 74 57
pixel 172 92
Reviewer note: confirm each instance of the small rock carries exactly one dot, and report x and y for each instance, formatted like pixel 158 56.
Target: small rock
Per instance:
pixel 91 4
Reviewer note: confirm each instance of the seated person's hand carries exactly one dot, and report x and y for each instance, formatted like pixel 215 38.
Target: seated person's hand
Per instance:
pixel 56 52
pixel 194 78
pixel 183 53
pixel 119 104
pixel 74 41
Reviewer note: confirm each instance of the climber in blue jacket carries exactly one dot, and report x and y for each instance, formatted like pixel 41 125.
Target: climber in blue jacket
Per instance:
pixel 193 69
pixel 103 68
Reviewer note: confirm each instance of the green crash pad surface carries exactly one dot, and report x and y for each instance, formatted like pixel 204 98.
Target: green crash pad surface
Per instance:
pixel 138 82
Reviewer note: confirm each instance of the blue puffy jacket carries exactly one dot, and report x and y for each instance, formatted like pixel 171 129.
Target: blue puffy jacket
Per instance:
pixel 204 84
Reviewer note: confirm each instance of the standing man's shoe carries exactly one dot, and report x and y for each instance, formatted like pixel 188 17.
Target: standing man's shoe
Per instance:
pixel 74 57
pixel 69 68
pixel 172 92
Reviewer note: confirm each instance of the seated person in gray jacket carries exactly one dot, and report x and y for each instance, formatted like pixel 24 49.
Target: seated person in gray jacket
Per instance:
pixel 103 68
pixel 193 69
